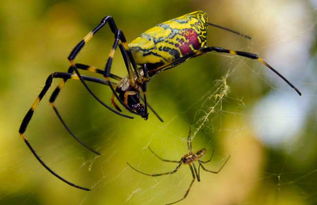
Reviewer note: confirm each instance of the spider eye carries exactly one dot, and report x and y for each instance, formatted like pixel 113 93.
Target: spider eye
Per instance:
pixel 140 109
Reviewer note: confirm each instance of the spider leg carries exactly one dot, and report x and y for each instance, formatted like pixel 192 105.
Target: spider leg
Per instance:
pixel 164 160
pixel 127 55
pixel 57 91
pixel 132 74
pixel 251 56
pixel 108 66
pixel 230 30
pixel 147 76
pixel 212 155
pixel 216 171
pixel 78 48
pixel 27 118
pixel 144 87
pixel 197 174
pixel 152 109
pixel 190 186
pixel 113 102
pixel 156 175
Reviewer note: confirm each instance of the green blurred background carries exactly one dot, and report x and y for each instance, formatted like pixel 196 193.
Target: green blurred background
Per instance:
pixel 234 106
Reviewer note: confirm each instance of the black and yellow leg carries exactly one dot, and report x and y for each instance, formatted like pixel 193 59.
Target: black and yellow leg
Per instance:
pixel 251 56
pixel 109 65
pixel 107 20
pixel 88 68
pixel 27 118
pixel 59 88
pixel 127 55
pixel 120 41
pixel 97 98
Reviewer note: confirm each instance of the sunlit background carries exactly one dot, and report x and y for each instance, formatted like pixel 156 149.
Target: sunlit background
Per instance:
pixel 234 106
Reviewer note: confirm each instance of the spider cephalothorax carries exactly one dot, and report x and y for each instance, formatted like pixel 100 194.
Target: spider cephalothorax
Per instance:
pixel 129 94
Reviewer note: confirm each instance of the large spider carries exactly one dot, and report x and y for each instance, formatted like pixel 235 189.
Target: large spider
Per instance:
pixel 162 47
pixel 188 159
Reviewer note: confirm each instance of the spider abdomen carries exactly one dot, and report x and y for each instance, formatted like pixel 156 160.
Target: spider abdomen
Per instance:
pixel 171 40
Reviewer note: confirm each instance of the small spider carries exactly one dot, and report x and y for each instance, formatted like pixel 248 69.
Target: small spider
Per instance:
pixel 190 158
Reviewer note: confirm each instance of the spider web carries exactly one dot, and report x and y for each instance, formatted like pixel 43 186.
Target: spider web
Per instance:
pixel 271 142
pixel 209 104
pixel 273 175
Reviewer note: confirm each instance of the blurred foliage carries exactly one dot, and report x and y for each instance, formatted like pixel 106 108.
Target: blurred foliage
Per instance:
pixel 37 35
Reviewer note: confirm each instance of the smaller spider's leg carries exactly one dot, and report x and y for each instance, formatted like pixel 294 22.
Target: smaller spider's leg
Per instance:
pixel 190 186
pixel 251 56
pixel 196 172
pixel 27 118
pixel 212 155
pixel 164 160
pixel 216 171
pixel 156 175
pixel 189 140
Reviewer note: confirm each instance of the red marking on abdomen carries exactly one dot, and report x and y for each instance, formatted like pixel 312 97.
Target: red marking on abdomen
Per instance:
pixel 191 39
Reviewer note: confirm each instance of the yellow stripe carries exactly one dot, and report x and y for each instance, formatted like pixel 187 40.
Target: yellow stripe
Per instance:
pixel 111 54
pixel 232 52
pixel 261 60
pixel 75 77
pixel 61 85
pixel 88 37
pixel 92 69
pixel 125 45
pixel 72 62
pixel 23 136
pixel 35 104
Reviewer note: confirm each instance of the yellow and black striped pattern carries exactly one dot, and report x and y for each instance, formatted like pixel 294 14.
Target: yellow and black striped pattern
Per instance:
pixel 171 40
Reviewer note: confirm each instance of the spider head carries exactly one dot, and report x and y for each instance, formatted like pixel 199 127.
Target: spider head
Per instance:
pixel 130 96
pixel 139 109
pixel 201 152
